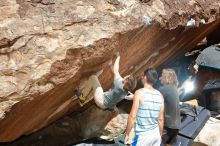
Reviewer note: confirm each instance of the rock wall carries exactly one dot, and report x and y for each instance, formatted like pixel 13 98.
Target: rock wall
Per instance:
pixel 48 47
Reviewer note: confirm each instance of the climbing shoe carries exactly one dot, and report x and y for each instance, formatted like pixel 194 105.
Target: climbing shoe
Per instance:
pixel 80 97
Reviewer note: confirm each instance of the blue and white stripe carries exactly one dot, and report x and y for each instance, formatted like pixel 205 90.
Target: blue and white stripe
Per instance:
pixel 148 111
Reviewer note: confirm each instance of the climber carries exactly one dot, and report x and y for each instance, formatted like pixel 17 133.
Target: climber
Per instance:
pixel 121 89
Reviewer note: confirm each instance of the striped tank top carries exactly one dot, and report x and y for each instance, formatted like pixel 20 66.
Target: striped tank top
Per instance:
pixel 148 111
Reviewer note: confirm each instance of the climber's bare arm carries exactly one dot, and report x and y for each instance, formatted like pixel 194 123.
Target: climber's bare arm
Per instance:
pixel 116 66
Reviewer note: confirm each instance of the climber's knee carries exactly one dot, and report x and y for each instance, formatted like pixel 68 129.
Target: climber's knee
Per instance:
pixel 94 81
pixel 99 97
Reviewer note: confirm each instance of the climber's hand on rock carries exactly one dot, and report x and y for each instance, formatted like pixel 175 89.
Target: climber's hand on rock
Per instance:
pixel 117 54
pixel 110 62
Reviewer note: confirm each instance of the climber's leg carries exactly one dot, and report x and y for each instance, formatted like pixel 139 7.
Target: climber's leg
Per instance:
pixel 90 88
pixel 98 91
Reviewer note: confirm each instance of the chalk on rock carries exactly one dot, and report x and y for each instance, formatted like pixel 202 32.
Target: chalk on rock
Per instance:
pixel 147 20
pixel 191 22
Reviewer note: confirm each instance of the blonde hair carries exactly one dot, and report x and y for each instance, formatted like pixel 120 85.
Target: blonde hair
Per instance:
pixel 170 77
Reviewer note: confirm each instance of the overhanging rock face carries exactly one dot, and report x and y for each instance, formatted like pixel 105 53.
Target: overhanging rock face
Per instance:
pixel 47 47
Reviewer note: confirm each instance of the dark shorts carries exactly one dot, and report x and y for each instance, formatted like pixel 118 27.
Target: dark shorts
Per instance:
pixel 169 136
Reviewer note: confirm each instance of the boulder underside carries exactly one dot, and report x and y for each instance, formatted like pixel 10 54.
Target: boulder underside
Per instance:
pixel 48 48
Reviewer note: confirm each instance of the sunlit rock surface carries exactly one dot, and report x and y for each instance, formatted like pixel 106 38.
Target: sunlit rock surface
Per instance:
pixel 48 47
pixel 209 135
